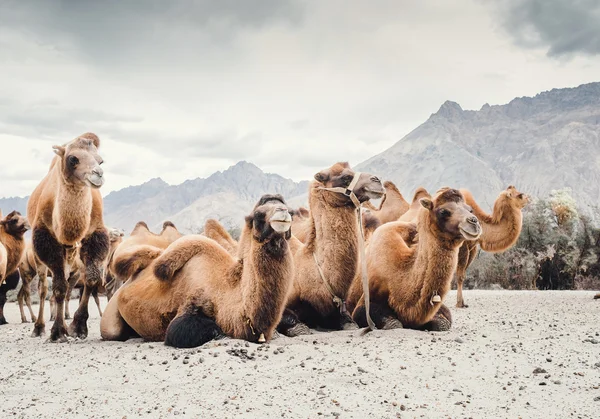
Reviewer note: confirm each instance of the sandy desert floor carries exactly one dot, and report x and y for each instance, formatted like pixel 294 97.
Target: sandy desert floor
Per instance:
pixel 511 354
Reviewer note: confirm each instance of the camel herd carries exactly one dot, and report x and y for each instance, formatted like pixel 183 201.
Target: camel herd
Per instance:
pixel 339 264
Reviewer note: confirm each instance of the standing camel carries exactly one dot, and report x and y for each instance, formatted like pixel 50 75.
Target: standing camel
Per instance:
pixel 501 231
pixel 29 268
pixel 393 205
pixel 65 211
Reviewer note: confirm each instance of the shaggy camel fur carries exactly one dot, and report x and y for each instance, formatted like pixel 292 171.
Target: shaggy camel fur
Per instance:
pixel 195 291
pixel 116 238
pixel 392 207
pixel 501 231
pixel 141 235
pixel 332 246
pixel 408 284
pixel 65 210
pixel 12 247
pixel 411 216
pixel 29 268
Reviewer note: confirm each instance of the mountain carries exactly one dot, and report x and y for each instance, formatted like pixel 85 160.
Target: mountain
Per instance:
pixel 549 141
pixel 227 195
pixel 14 203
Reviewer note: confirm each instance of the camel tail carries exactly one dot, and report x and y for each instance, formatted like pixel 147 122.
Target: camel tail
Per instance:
pixel 134 260
pixel 178 254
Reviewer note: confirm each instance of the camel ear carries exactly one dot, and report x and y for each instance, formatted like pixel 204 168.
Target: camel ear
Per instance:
pixel 93 137
pixel 322 176
pixel 59 150
pixel 426 203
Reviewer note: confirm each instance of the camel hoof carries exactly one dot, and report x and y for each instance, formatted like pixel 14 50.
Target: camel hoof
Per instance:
pixel 461 305
pixel 67 316
pixel 298 330
pixel 24 321
pixel 78 330
pixel 59 339
pixel 3 321
pixel 58 335
pixel 349 326
pixel 392 323
pixel 38 331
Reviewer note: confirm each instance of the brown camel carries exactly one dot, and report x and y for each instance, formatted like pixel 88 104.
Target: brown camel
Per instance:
pixel 195 291
pixel 501 231
pixel 65 212
pixel 215 230
pixel 412 215
pixel 12 247
pixel 392 207
pixel 329 260
pixel 29 268
pixel 408 284
pixel 116 238
pixel 140 235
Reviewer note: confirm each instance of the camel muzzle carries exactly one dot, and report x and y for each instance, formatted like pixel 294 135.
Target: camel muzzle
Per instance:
pixel 281 221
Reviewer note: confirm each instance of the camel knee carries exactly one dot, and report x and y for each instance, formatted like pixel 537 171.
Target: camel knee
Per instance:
pixel 94 249
pixel 48 249
pixel 191 329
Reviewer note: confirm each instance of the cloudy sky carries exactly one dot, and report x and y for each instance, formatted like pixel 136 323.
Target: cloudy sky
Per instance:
pixel 183 88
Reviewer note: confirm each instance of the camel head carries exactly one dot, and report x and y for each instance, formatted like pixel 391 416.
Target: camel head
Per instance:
pixel 270 219
pixel 515 198
pixel 80 161
pixel 115 234
pixel 15 224
pixel 450 218
pixel 341 175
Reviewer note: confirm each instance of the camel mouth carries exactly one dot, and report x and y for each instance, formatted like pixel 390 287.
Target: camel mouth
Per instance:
pixel 372 194
pixel 95 181
pixel 281 221
pixel 468 235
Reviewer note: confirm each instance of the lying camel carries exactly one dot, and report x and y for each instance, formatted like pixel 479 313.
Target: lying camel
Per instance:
pixel 194 291
pixel 408 283
pixel 412 215
pixel 393 205
pixel 12 247
pixel 329 260
pixel 501 231
pixel 140 235
pixel 215 230
pixel 65 210
pixel 29 268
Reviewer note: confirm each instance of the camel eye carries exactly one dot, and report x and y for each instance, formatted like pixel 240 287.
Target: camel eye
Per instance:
pixel 520 196
pixel 348 178
pixel 73 161
pixel 445 213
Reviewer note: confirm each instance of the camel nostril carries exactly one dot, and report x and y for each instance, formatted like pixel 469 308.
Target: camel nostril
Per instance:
pixel 98 171
pixel 375 179
pixel 473 220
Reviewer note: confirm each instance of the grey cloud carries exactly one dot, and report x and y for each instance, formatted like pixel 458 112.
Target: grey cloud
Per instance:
pixel 566 28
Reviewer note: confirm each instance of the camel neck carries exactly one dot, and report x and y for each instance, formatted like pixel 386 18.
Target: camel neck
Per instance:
pixel 266 280
pixel 334 240
pixel 502 230
pixel 72 212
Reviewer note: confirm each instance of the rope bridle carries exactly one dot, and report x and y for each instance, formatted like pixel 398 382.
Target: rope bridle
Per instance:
pixel 340 302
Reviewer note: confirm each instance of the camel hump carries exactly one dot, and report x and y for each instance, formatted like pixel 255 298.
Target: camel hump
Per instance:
pixel 133 260
pixel 178 254
pixel 421 192
pixel 388 184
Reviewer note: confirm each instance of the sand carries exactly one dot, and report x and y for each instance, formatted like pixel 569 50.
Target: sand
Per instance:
pixel 510 354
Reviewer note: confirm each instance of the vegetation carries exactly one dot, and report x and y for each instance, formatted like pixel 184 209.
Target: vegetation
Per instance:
pixel 559 249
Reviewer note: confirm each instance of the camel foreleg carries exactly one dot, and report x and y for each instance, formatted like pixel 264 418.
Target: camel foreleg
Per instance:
pixel 441 322
pixel 383 316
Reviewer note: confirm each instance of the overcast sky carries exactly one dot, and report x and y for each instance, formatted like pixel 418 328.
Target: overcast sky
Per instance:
pixel 183 88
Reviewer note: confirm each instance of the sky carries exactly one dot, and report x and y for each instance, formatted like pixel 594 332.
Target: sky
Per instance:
pixel 184 88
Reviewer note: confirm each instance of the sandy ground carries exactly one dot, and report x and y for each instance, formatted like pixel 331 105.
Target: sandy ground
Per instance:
pixel 511 354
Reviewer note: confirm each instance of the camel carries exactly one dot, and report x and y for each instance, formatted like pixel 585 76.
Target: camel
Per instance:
pixel 116 238
pixel 408 283
pixel 329 259
pixel 140 235
pixel 412 215
pixel 215 230
pixel 194 291
pixel 393 205
pixel 501 231
pixel 29 268
pixel 12 247
pixel 65 212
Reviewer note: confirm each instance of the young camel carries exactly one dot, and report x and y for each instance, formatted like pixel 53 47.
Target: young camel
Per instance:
pixel 408 284
pixel 332 247
pixel 65 211
pixel 12 247
pixel 195 291
pixel 29 268
pixel 141 235
pixel 392 207
pixel 501 231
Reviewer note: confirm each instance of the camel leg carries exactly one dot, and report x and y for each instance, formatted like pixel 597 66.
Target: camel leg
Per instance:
pixel 381 314
pixel 192 328
pixel 461 271
pixel 73 279
pixel 42 292
pixel 441 322
pixel 24 296
pixel 52 254
pixel 10 283
pixel 112 324
pixel 28 302
pixel 97 300
pixel 94 250
pixel 291 326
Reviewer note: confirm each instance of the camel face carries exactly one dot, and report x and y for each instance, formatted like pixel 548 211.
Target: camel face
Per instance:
pixel 270 219
pixel 517 199
pixel 15 224
pixel 340 175
pixel 114 234
pixel 451 217
pixel 81 162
